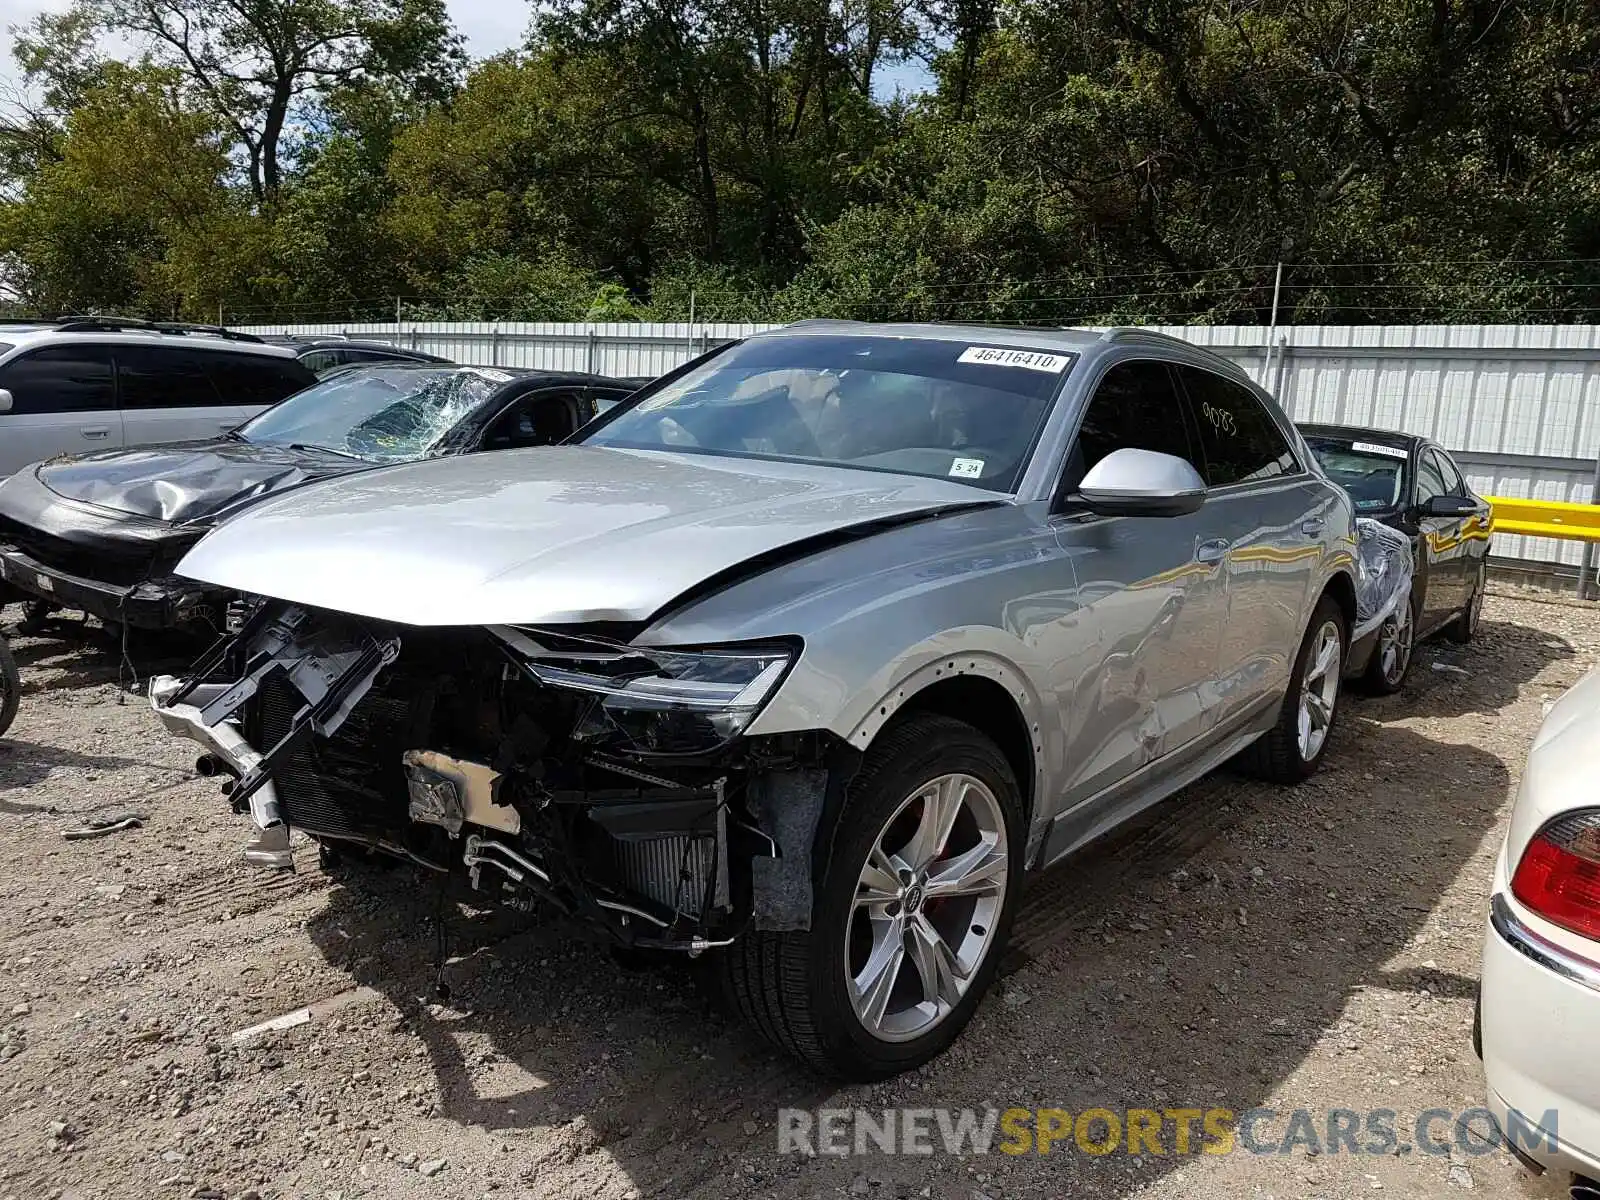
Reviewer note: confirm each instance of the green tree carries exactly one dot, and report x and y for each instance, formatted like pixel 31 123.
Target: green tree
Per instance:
pixel 129 209
pixel 257 65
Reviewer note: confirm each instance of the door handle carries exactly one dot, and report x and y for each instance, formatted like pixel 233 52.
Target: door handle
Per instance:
pixel 1312 526
pixel 95 431
pixel 1213 551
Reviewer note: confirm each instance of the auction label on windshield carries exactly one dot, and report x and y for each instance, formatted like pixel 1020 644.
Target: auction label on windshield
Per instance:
pixel 994 356
pixel 1374 448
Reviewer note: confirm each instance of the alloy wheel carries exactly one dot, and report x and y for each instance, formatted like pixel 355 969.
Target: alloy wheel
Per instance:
pixel 1319 690
pixel 1395 643
pixel 927 903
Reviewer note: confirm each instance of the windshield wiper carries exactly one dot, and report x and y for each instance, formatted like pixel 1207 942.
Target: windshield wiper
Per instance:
pixel 325 450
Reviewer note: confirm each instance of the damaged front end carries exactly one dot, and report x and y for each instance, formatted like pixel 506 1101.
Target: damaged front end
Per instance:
pixel 574 771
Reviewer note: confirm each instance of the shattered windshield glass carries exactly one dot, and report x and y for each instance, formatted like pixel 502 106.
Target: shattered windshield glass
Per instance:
pixel 387 414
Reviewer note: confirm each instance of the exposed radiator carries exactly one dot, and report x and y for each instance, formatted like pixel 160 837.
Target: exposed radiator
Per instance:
pixel 653 868
pixel 350 785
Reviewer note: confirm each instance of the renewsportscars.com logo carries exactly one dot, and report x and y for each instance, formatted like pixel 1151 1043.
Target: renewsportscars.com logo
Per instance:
pixel 1164 1131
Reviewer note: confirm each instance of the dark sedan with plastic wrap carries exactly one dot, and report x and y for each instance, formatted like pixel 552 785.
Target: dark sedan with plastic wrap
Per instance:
pixel 102 532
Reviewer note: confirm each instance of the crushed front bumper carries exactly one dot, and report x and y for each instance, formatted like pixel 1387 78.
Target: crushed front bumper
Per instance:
pixel 330 671
pixel 164 602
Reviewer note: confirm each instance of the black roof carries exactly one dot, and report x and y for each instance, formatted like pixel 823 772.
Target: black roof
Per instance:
pixel 1384 437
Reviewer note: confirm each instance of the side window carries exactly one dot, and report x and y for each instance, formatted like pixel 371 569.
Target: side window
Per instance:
pixel 254 380
pixel 368 357
pixel 1453 482
pixel 1135 406
pixel 60 379
pixel 163 377
pixel 1241 440
pixel 1430 479
pixel 318 361
pixel 539 420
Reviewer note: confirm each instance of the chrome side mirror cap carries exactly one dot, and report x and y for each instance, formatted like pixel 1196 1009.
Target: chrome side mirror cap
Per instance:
pixel 5 400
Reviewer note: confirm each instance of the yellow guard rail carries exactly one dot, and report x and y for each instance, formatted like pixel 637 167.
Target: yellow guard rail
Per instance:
pixel 1546 518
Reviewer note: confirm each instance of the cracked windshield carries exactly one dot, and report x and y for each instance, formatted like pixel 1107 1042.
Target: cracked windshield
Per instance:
pixel 385 414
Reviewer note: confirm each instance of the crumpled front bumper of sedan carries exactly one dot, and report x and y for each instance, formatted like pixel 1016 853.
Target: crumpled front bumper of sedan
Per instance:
pixel 161 602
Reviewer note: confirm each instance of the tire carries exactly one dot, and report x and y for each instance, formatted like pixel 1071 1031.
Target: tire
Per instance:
pixel 10 687
pixel 799 988
pixel 1279 755
pixel 1464 628
pixel 1397 634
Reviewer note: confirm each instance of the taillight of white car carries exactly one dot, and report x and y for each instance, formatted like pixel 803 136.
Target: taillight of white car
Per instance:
pixel 1558 876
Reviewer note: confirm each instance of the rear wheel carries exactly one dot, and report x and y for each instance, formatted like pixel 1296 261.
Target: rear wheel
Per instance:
pixel 1391 658
pixel 10 687
pixel 1292 748
pixel 912 910
pixel 1465 626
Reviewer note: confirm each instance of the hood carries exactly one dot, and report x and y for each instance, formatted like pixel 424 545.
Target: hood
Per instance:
pixel 552 535
pixel 182 482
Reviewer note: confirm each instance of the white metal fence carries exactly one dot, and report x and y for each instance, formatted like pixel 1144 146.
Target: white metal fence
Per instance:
pixel 1518 405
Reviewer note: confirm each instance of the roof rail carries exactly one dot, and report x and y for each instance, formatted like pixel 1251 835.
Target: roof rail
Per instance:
pixel 1133 333
pixel 135 324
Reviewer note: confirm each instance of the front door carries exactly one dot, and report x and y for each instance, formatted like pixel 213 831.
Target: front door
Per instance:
pixel 1441 558
pixel 62 402
pixel 1141 675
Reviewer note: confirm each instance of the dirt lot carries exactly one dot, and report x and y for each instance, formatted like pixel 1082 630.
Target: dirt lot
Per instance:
pixel 1244 947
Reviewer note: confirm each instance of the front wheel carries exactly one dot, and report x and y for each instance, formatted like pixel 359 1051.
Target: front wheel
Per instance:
pixel 907 924
pixel 1291 750
pixel 10 687
pixel 1391 658
pixel 1465 627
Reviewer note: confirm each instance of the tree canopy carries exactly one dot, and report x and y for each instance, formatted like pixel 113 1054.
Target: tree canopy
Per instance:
pixel 1072 160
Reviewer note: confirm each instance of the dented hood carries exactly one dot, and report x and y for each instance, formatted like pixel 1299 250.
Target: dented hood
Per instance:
pixel 186 482
pixel 552 535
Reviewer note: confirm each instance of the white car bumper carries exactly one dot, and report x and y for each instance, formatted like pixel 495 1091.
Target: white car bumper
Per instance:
pixel 1541 1042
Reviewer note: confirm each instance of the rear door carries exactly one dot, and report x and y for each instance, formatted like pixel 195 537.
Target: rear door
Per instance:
pixel 1271 513
pixel 168 396
pixel 63 401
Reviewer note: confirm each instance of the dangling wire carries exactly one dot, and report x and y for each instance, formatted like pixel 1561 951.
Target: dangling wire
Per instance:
pixel 441 989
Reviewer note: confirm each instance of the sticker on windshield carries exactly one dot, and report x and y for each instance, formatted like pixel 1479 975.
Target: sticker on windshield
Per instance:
pixel 491 373
pixel 994 356
pixel 1374 448
pixel 967 468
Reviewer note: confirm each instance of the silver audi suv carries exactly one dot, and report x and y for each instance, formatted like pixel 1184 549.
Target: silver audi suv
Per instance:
pixel 801 657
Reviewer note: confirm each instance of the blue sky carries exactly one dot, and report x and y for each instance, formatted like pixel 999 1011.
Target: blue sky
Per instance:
pixel 489 26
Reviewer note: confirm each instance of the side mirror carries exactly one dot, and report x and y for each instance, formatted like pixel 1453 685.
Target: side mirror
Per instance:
pixel 5 400
pixel 1449 506
pixel 1142 483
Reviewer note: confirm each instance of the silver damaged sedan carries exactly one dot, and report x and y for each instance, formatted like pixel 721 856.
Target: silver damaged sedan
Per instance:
pixel 802 657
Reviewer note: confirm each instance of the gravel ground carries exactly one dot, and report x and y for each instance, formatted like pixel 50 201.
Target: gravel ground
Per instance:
pixel 1242 947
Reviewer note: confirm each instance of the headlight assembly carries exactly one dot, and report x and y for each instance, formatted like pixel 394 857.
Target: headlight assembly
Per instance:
pixel 657 701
